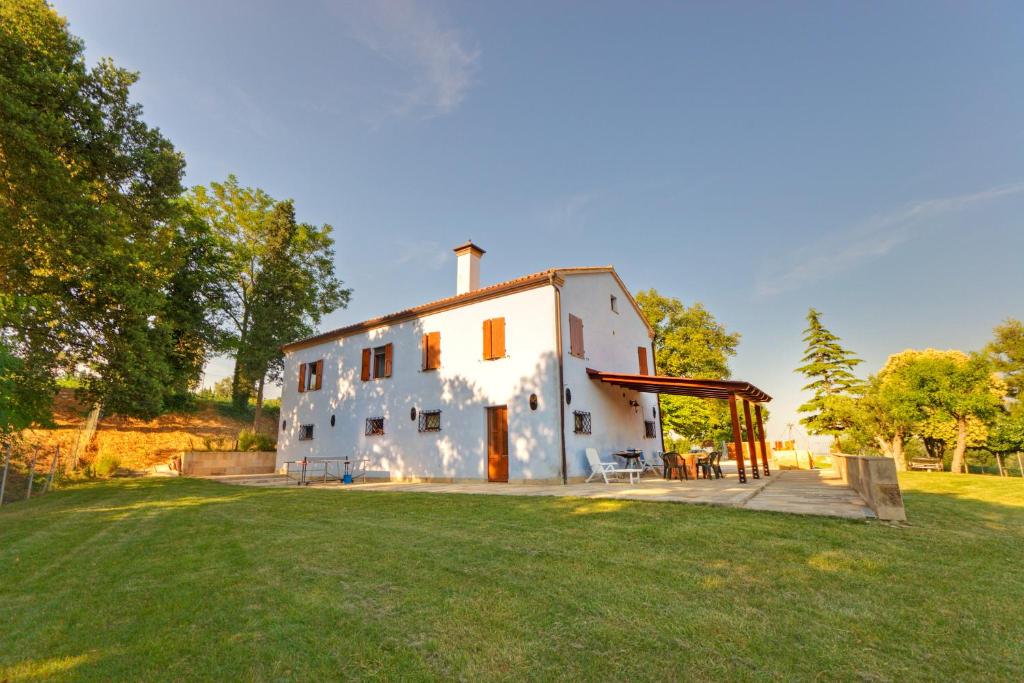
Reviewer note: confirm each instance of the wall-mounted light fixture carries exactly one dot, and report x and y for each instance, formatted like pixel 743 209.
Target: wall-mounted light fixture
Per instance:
pixel 634 405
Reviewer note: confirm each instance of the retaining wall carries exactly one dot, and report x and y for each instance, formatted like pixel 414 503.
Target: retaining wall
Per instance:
pixel 874 478
pixel 215 463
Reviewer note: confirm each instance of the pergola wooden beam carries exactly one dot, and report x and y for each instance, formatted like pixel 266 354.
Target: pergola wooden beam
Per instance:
pixel 737 439
pixel 682 386
pixel 760 436
pixel 750 441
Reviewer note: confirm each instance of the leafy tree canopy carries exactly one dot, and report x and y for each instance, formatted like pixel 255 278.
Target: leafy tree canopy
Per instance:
pixel 689 342
pixel 95 243
pixel 279 277
pixel 1007 353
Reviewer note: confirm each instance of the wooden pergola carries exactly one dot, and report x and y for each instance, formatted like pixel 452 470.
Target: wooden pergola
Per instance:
pixel 728 390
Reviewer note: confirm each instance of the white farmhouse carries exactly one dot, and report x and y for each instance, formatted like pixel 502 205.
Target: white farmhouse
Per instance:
pixel 491 384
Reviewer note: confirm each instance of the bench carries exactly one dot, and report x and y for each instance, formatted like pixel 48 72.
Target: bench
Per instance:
pixel 932 464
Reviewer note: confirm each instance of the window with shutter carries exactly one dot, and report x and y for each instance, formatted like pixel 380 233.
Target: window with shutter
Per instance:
pixel 576 336
pixel 641 353
pixel 432 351
pixel 388 357
pixel 494 338
pixel 302 377
pixel 364 373
pixel 319 374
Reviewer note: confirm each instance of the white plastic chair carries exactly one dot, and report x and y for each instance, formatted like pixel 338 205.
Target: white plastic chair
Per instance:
pixel 651 463
pixel 603 469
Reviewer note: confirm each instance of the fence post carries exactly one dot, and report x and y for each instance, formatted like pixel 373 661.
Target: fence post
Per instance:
pixel 31 473
pixel 53 468
pixel 3 481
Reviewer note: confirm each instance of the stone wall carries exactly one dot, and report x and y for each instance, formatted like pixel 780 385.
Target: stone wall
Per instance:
pixel 874 478
pixel 216 463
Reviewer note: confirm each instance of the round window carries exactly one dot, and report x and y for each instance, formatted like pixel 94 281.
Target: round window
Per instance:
pixel 654 412
pixel 568 395
pixel 332 420
pixel 284 425
pixel 412 413
pixel 533 401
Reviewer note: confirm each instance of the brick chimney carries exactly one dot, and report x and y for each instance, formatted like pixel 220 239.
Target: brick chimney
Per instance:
pixel 467 257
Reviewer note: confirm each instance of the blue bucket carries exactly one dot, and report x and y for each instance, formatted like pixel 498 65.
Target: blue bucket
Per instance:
pixel 347 479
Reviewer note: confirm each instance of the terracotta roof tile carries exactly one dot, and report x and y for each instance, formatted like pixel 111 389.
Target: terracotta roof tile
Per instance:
pixel 517 284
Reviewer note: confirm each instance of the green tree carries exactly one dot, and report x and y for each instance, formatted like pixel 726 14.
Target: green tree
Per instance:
pixel 23 402
pixel 888 410
pixel 1007 353
pixel 280 280
pixel 954 384
pixel 689 342
pixel 1006 435
pixel 89 221
pixel 829 366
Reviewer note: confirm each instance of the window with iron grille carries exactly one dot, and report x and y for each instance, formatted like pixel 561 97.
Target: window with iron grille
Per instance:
pixel 305 432
pixel 430 420
pixel 374 426
pixel 650 430
pixel 581 422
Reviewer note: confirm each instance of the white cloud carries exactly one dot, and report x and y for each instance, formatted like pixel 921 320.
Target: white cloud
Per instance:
pixel 878 235
pixel 439 65
pixel 422 254
pixel 569 211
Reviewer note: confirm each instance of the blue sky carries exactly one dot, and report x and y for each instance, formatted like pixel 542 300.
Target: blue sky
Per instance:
pixel 866 159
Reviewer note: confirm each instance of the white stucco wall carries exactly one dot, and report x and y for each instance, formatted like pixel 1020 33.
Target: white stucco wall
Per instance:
pixel 462 388
pixel 610 342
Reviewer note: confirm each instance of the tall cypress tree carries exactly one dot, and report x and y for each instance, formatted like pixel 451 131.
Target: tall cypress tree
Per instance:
pixel 829 367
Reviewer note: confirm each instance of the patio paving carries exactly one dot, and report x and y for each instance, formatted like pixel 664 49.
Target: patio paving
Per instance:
pixel 814 492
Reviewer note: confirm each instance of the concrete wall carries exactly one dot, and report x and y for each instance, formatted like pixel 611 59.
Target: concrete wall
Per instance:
pixel 874 478
pixel 215 463
pixel 462 388
pixel 610 343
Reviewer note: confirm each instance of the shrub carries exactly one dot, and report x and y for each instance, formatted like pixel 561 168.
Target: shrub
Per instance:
pixel 248 440
pixel 105 466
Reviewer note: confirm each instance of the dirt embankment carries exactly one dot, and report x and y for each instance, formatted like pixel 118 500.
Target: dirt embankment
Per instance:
pixel 138 444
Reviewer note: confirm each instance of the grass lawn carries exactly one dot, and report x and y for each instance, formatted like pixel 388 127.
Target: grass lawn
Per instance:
pixel 150 579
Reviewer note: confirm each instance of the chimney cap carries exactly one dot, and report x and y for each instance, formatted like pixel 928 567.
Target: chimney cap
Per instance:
pixel 468 246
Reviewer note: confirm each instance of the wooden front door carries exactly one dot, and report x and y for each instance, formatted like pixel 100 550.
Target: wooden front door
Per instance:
pixel 497 443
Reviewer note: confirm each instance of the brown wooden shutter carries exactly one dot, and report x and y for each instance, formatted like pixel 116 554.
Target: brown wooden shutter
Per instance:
pixel 498 338
pixel 575 336
pixel 487 340
pixel 302 377
pixel 642 354
pixel 365 372
pixel 433 340
pixel 387 359
pixel 425 348
pixel 319 373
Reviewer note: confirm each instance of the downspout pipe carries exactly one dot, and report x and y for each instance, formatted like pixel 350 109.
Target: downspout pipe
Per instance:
pixel 657 398
pixel 561 376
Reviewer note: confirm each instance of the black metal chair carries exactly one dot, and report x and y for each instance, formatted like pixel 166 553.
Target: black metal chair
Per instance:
pixel 671 461
pixel 715 464
pixel 704 466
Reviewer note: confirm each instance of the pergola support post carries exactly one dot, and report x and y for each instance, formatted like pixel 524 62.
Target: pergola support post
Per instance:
pixel 760 436
pixel 737 439
pixel 750 440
